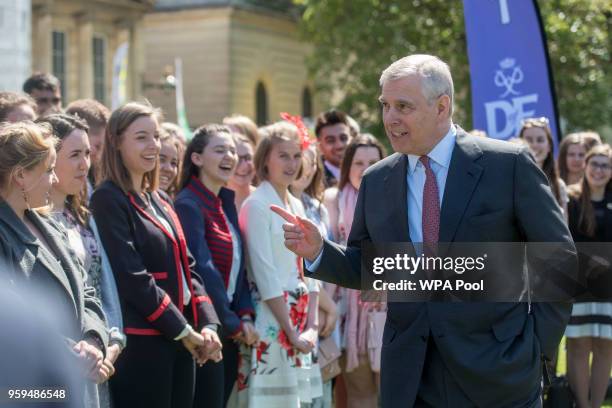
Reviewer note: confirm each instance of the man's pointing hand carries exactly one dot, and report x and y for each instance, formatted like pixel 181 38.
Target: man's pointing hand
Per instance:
pixel 301 235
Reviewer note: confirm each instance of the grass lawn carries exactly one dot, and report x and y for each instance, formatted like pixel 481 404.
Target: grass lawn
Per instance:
pixel 562 367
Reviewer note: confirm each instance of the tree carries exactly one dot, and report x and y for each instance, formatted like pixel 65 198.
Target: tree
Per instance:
pixel 354 40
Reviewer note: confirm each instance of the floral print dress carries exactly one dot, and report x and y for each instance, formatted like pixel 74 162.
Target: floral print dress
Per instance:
pixel 275 374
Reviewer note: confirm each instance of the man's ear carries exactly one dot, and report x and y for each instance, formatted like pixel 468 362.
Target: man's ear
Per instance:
pixel 443 105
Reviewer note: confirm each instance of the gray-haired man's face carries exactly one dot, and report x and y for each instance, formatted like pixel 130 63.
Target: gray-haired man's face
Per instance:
pixel 413 125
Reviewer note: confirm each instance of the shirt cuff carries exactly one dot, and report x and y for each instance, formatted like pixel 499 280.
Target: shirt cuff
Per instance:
pixel 312 266
pixel 184 333
pixel 212 326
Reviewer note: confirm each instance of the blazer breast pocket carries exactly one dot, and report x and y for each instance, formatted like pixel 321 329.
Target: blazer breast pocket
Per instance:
pixel 494 226
pixel 487 218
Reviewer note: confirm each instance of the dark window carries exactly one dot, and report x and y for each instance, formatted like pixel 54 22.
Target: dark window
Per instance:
pixel 306 103
pixel 261 104
pixel 59 59
pixel 99 64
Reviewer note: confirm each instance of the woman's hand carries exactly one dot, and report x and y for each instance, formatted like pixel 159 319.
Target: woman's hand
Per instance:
pixel 310 335
pixel 300 343
pixel 249 334
pixel 194 343
pixel 112 352
pixel 212 345
pixel 328 321
pixel 93 361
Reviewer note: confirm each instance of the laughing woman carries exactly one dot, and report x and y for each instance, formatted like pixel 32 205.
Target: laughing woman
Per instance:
pixel 161 297
pixel 206 210
pixel 283 373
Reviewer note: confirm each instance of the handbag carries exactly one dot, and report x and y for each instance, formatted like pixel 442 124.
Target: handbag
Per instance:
pixel 376 326
pixel 558 394
pixel 328 358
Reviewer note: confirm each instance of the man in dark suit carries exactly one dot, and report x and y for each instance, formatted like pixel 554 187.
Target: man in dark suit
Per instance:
pixel 443 185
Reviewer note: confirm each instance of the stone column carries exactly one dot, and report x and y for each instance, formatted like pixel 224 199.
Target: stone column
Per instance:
pixel 42 37
pixel 85 51
pixel 137 59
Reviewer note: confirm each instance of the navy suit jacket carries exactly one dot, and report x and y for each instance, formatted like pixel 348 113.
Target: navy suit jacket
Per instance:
pixel 148 264
pixel 494 193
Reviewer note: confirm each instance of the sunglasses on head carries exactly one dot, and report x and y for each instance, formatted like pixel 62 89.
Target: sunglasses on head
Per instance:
pixel 541 121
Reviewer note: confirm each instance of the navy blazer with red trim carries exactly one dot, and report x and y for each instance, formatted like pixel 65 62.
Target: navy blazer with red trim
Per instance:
pixel 146 261
pixel 192 206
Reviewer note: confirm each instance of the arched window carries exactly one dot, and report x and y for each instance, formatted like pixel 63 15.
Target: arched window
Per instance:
pixel 306 103
pixel 261 104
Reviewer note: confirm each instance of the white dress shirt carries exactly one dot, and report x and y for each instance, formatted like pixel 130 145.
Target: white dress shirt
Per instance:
pixel 439 157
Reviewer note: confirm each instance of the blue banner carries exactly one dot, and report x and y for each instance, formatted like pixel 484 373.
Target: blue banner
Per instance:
pixel 509 67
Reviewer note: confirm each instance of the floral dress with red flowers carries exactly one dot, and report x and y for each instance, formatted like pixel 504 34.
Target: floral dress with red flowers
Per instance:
pixel 274 374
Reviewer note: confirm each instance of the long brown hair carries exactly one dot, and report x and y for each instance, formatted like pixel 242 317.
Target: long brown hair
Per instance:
pixel 362 140
pixel 63 125
pixel 569 140
pixel 587 223
pixel 548 167
pixel 112 167
pixel 316 188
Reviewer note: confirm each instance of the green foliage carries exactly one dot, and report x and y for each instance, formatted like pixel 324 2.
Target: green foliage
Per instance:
pixel 354 40
pixel 579 43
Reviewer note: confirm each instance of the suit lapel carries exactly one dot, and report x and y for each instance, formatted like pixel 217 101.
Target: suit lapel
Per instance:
pixel 397 198
pixel 463 176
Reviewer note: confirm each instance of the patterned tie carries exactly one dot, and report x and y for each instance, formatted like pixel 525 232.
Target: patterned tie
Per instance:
pixel 431 209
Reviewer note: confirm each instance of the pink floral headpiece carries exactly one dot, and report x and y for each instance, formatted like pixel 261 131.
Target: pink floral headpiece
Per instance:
pixel 301 127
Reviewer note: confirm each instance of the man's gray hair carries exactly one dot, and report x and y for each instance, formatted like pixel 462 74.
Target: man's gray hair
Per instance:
pixel 436 79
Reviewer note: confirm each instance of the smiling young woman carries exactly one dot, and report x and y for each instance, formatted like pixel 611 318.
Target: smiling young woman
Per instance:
pixel 536 132
pixel 31 243
pixel 244 176
pixel 170 162
pixel 206 210
pixel 286 303
pixel 360 380
pixel 162 296
pixel 68 197
pixel 589 329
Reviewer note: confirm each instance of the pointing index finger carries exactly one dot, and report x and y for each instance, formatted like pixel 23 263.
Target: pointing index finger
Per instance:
pixel 287 216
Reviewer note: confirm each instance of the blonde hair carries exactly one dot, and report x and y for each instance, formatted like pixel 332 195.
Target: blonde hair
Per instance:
pixel 23 146
pixel 245 126
pixel 272 135
pixel 168 137
pixel 112 167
